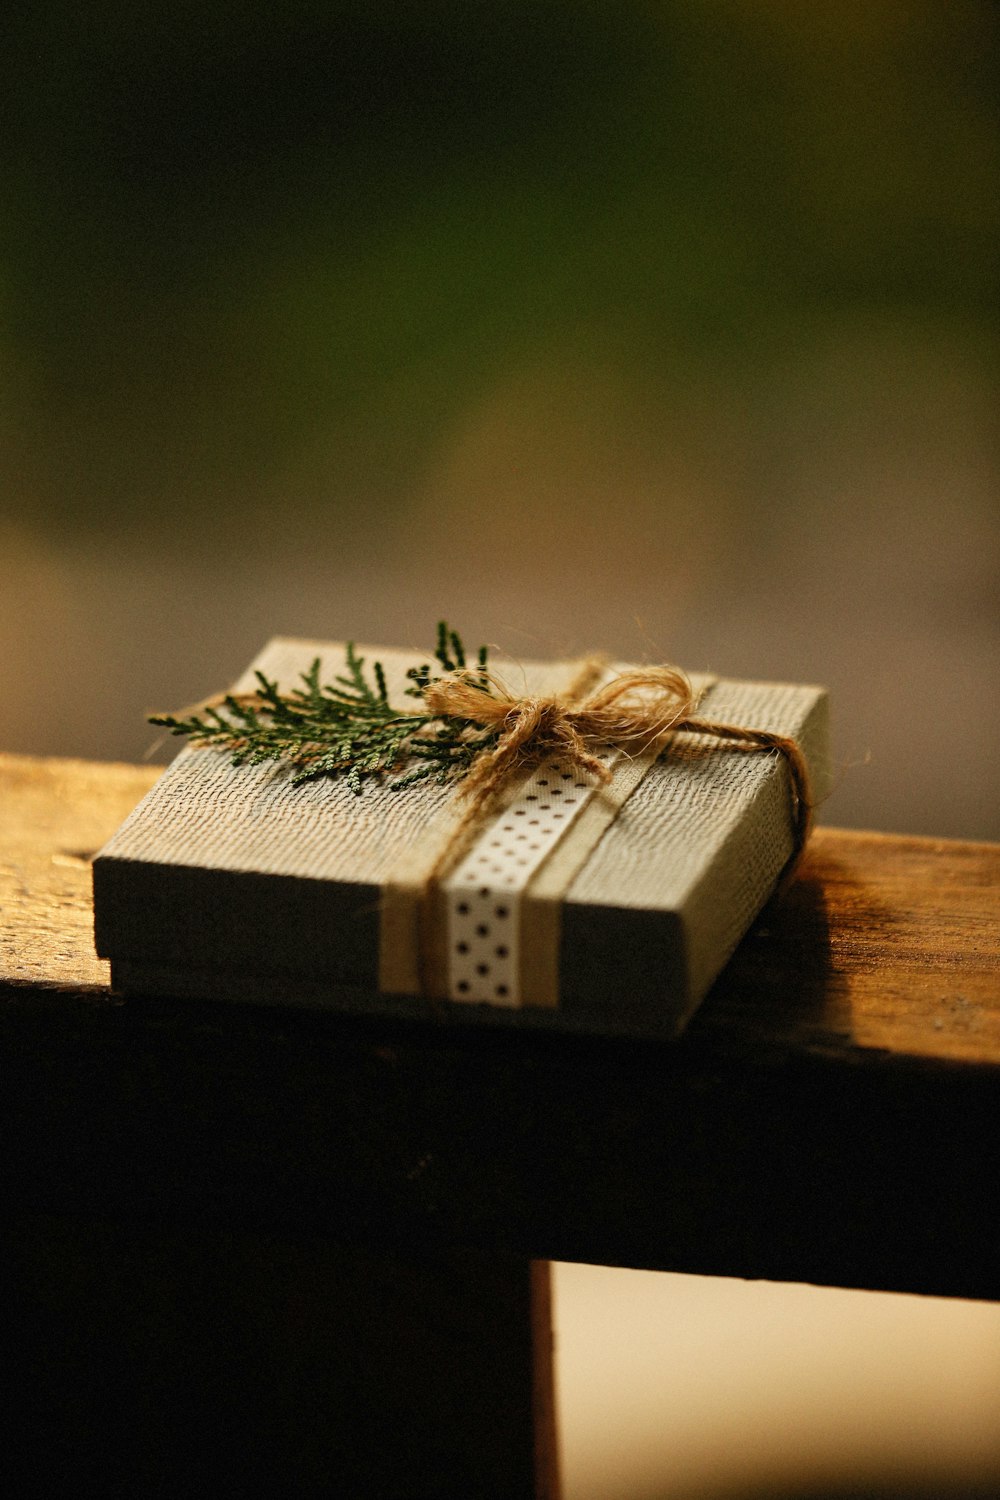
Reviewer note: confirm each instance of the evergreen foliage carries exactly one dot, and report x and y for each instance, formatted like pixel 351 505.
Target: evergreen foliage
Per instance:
pixel 347 727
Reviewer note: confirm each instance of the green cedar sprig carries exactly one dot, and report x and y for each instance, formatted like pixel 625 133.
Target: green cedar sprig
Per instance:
pixel 347 727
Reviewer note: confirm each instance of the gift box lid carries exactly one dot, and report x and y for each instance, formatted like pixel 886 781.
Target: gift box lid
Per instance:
pixel 233 883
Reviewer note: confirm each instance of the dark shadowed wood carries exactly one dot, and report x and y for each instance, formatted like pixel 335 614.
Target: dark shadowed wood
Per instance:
pixel 831 1114
pixel 153 1354
pixel 154 1360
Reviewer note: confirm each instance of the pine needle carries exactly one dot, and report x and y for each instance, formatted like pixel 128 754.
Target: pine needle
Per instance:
pixel 346 727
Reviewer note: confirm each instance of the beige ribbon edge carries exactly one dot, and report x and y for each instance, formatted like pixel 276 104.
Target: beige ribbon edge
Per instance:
pixel 543 898
pixel 413 957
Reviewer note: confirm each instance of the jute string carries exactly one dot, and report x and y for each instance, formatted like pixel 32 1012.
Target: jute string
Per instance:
pixel 636 713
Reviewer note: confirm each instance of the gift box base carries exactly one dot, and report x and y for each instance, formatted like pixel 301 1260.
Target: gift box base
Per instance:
pixel 232 884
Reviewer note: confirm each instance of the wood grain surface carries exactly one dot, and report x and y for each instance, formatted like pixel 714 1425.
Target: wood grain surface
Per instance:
pixel 830 1115
pixel 54 816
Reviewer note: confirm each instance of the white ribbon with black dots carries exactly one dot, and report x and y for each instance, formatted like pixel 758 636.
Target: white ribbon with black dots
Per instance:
pixel 484 894
pixel 487 931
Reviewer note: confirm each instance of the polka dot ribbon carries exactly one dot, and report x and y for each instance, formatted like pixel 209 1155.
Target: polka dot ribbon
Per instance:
pixel 484 894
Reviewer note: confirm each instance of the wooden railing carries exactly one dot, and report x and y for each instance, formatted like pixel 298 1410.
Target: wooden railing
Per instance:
pixel 258 1251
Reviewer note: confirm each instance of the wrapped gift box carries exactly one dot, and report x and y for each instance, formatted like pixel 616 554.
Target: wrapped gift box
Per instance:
pixel 232 883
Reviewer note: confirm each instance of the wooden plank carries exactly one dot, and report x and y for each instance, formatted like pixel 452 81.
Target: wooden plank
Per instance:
pixel 885 947
pixel 54 816
pixel 157 1352
pixel 885 944
pixel 831 1114
pixel 152 1360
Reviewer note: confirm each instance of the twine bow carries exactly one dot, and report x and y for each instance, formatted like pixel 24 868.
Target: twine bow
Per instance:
pixel 635 712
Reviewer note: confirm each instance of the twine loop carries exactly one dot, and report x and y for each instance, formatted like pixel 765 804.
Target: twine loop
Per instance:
pixel 636 712
pixel 632 712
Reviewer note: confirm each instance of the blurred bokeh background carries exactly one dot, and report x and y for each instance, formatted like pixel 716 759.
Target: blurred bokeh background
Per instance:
pixel 661 328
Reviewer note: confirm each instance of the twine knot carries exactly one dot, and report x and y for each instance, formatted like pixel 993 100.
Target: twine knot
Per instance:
pixel 635 712
pixel 632 712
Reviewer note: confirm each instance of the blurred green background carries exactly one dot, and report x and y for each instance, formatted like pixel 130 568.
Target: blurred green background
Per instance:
pixel 666 329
